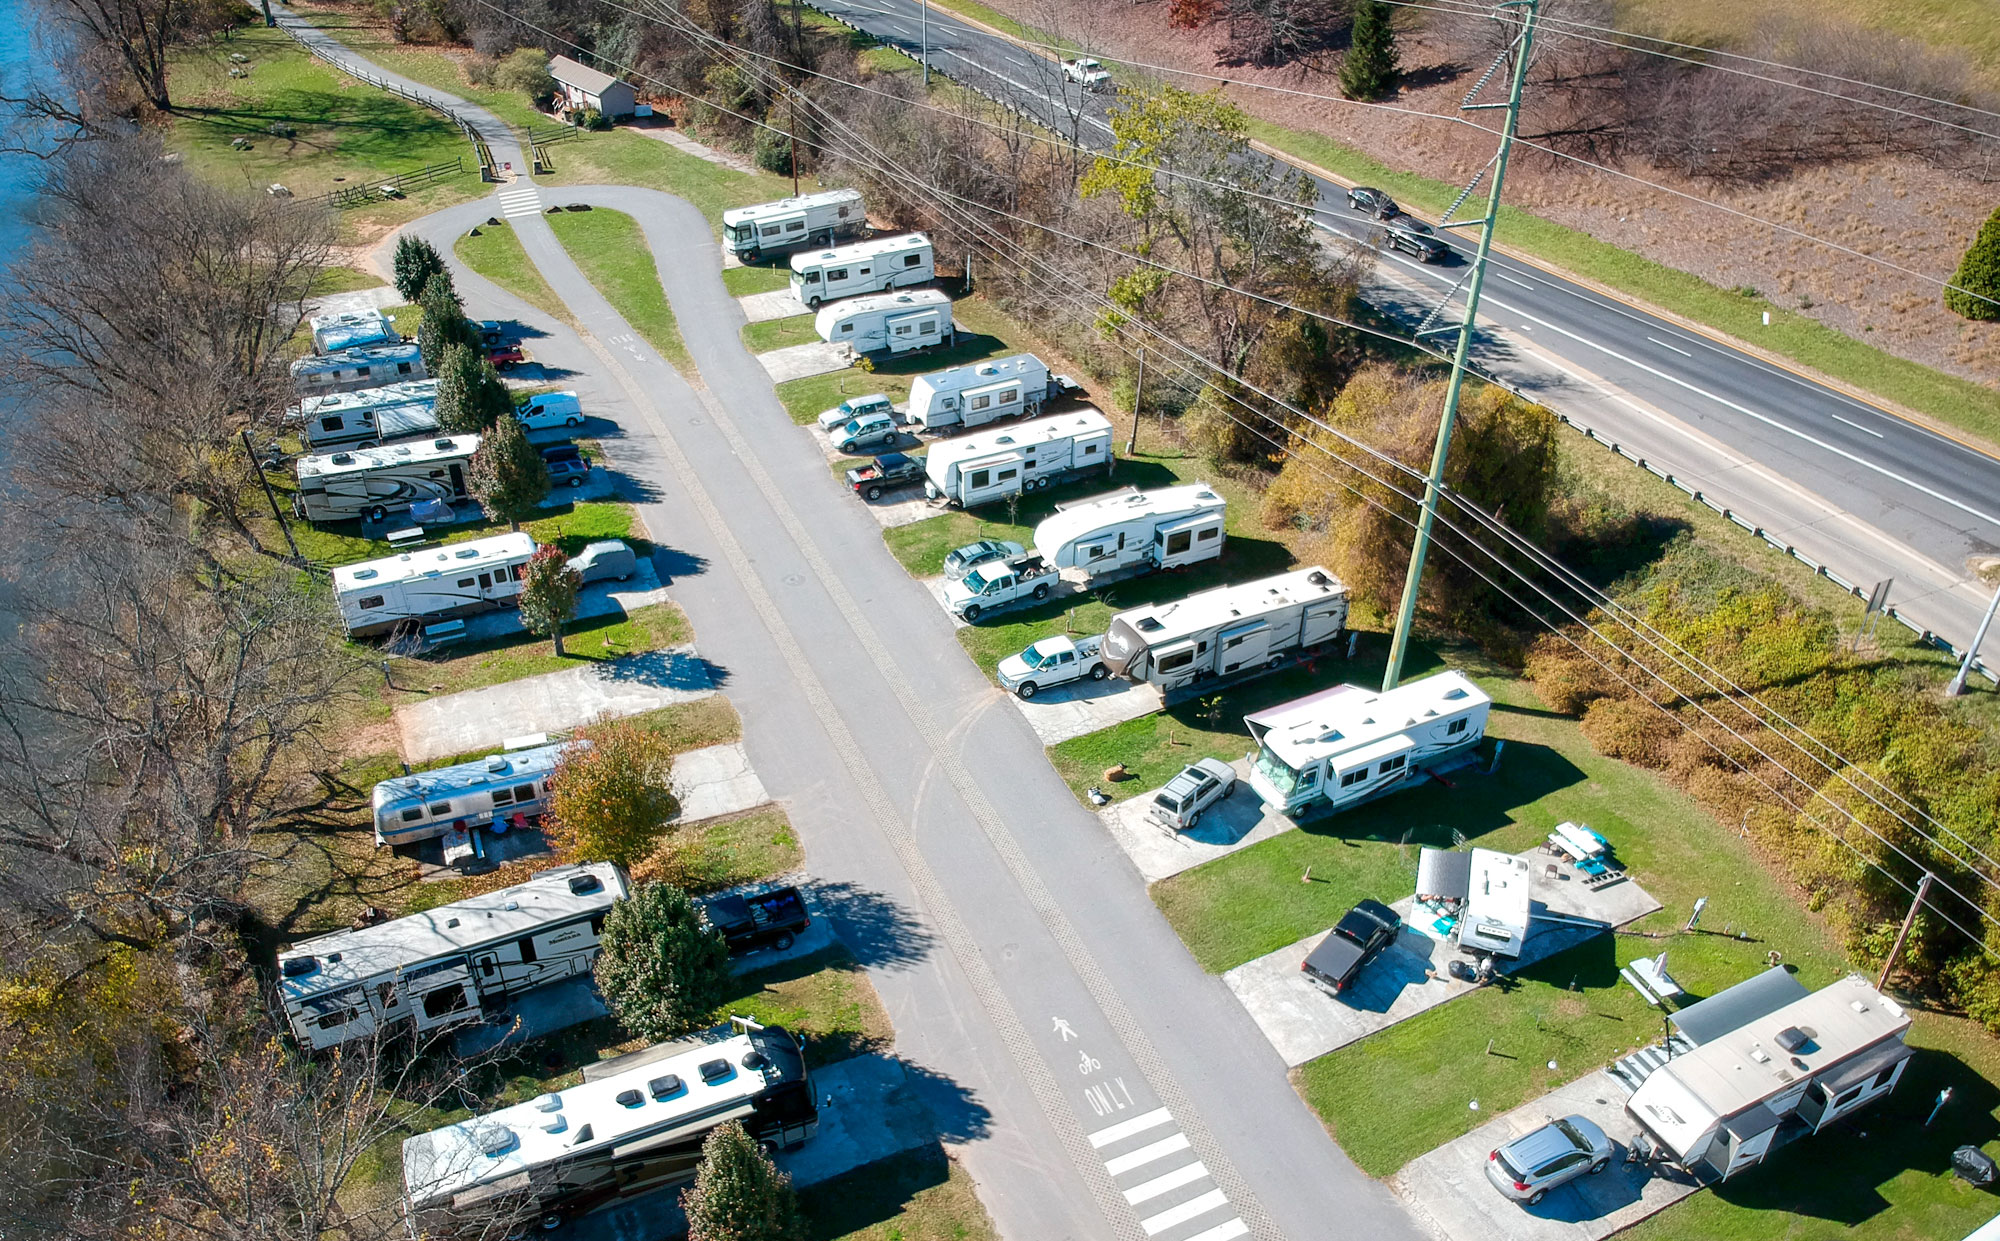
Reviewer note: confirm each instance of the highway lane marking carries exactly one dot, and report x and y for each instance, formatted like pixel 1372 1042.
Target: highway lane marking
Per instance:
pixel 1127 1128
pixel 1664 345
pixel 1186 1211
pixel 1186 1174
pixel 1510 280
pixel 1857 426
pixel 1146 1154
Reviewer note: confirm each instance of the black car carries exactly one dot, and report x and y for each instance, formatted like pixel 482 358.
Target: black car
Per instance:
pixel 1413 236
pixel 1373 201
pixel 756 920
pixel 1358 938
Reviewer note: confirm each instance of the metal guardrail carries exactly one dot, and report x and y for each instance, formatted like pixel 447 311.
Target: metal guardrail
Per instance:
pixel 359 73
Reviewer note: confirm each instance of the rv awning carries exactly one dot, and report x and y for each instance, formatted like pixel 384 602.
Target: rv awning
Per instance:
pixel 1443 876
pixel 1866 1065
pixel 1387 747
pixel 1739 1005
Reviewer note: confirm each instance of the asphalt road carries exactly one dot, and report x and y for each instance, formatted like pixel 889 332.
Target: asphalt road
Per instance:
pixel 1851 485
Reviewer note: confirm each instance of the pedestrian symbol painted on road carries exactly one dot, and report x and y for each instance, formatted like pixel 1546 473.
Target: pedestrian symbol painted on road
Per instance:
pixel 1062 1028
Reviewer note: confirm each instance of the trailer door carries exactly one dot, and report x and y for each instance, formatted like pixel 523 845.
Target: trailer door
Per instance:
pixel 1242 646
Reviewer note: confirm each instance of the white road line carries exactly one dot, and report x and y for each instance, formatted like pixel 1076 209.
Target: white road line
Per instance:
pixel 1510 280
pixel 1184 1212
pixel 1857 426
pixel 1161 1184
pixel 1664 345
pixel 1223 1232
pixel 1146 1154
pixel 1126 1128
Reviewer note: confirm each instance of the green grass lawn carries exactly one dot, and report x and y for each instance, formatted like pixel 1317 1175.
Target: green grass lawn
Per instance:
pixel 806 398
pixel 918 1195
pixel 611 250
pixel 361 28
pixel 570 526
pixel 496 254
pixel 595 639
pixel 743 281
pixel 627 157
pixel 346 280
pixel 779 333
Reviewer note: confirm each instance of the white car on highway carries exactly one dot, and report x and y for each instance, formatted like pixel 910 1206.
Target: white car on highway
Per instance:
pixel 1087 73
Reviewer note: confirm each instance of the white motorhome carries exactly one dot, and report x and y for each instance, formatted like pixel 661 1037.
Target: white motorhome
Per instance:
pixel 983 392
pixel 346 369
pixel 374 482
pixel 979 469
pixel 896 322
pixel 1170 528
pixel 448 964
pixel 1342 746
pixel 368 415
pixel 820 219
pixel 617 1134
pixel 427 804
pixel 351 330
pixel 1227 631
pixel 431 584
pixel 873 266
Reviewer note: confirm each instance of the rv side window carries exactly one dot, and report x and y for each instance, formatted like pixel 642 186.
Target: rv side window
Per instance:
pixel 1090 450
pixel 444 1000
pixel 1389 765
pixel 1352 778
pixel 332 422
pixel 847 327
pixel 1010 396
pixel 795 226
pixel 524 792
pixel 770 230
pixel 1179 541
pixel 402 368
pixel 928 329
pixel 385 995
pixel 1883 1078
pixel 981 402
pixel 337 1018
pixel 1847 1096
pixel 440 807
pixel 413 814
pixel 1007 476
pixel 361 372
pixel 502 796
pixel 515 571
pixel 1455 727
pixel 527 949
pixel 902 329
pixel 838 273
pixel 1173 663
pixel 812 277
pixel 979 479
pixel 911 260
pixel 369 602
pixel 464 583
pixel 597 924
pixel 1207 535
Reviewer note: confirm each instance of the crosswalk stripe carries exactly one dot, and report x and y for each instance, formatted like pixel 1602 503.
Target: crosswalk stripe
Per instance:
pixel 1126 1128
pixel 1184 1212
pixel 1147 1154
pixel 1161 1184
pixel 1223 1232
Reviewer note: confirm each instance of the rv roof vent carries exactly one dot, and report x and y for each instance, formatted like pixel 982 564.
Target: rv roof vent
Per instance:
pixel 663 1087
pixel 989 369
pixel 494 1140
pixel 1760 1055
pixel 343 458
pixel 1858 1006
pixel 1005 439
pixel 512 906
pixel 1330 735
pixel 1454 693
pixel 755 1059
pixel 1785 1075
pixel 300 966
pixel 470 553
pixel 333 958
pixel 362 575
pixel 630 1098
pixel 1319 579
pixel 1791 1038
pixel 451 922
pixel 1369 720
pixel 715 1070
pixel 497 765
pixel 548 1103
pixel 583 885
pixel 439 444
pixel 583 1135
pixel 1150 623
pixel 554 1124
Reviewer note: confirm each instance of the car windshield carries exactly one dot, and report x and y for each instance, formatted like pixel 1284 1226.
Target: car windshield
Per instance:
pixel 975 583
pixel 1274 769
pixel 1569 1131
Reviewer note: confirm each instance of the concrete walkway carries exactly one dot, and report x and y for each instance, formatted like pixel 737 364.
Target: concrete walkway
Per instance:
pixel 776 304
pixel 815 357
pixel 1084 707
pixel 716 780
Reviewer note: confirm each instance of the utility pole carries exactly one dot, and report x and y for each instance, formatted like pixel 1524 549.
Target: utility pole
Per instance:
pixel 1957 685
pixel 1406 615
pixel 1909 920
pixel 924 25
pixel 794 98
pixel 270 495
pixel 1138 404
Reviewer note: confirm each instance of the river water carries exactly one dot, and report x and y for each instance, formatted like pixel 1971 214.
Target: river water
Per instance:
pixel 17 172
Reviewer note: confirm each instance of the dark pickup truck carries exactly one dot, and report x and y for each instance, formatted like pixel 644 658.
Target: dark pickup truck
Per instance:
pixel 756 920
pixel 888 472
pixel 1354 941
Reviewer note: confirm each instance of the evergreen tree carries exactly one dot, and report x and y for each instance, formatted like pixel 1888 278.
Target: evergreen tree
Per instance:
pixel 444 322
pixel 508 474
pixel 1978 276
pixel 417 261
pixel 661 969
pixel 738 1194
pixel 458 383
pixel 1370 68
pixel 548 593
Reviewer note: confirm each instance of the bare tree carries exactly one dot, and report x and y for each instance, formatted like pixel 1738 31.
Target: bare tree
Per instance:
pixel 140 33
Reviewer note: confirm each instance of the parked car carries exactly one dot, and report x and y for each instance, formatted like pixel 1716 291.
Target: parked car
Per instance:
pixel 1200 785
pixel 1087 73
pixel 1528 1167
pixel 1413 236
pixel 491 332
pixel 855 407
pixel 604 560
pixel 867 431
pixel 1361 935
pixel 769 919
pixel 958 560
pixel 505 356
pixel 567 468
pixel 550 409
pixel 1054 661
pixel 1373 201
pixel 884 474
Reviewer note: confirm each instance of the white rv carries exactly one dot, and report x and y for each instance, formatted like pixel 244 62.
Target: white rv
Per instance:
pixel 345 369
pixel 873 266
pixel 1228 630
pixel 750 233
pixel 374 482
pixel 431 584
pixel 1170 528
pixel 446 965
pixel 983 392
pixel 368 415
pixel 979 469
pixel 896 322
pixel 1494 918
pixel 1342 746
pixel 351 330
pixel 427 804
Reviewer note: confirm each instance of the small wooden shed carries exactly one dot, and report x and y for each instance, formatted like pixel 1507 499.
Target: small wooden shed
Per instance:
pixel 579 87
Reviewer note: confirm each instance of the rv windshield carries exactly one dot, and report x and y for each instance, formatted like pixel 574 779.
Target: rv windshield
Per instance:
pixel 742 234
pixel 1274 769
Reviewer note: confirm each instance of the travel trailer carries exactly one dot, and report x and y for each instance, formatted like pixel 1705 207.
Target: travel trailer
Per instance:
pixel 972 396
pixel 873 266
pixel 1226 631
pixel 372 483
pixel 351 330
pixel 1343 746
pixel 1170 528
pixel 368 415
pixel 821 219
pixel 450 964
pixel 979 469
pixel 427 804
pixel 346 369
pixel 896 322
pixel 431 584
pixel 625 1132
pixel 1494 919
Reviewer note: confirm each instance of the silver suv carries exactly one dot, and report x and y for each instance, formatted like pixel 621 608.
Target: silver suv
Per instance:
pixel 1200 785
pixel 1528 1167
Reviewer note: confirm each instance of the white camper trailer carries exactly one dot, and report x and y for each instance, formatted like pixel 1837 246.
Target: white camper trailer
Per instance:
pixel 983 392
pixel 896 322
pixel 346 369
pixel 428 804
pixel 1170 528
pixel 372 483
pixel 873 266
pixel 1342 746
pixel 448 964
pixel 368 415
pixel 431 584
pixel 351 330
pixel 750 233
pixel 979 469
pixel 1494 918
pixel 1226 631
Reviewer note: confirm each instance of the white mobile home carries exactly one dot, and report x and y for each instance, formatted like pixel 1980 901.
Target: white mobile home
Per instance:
pixel 431 584
pixel 372 483
pixel 1170 528
pixel 983 392
pixel 896 322
pixel 1334 749
pixel 347 369
pixel 611 1137
pixel 750 233
pixel 351 330
pixel 1765 1061
pixel 427 804
pixel 368 415
pixel 979 469
pixel 447 964
pixel 1226 631
pixel 873 266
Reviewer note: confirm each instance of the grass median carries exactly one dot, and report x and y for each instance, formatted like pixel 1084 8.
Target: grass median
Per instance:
pixel 496 253
pixel 610 249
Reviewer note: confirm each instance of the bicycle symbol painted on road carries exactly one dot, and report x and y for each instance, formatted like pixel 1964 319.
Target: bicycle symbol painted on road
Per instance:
pixel 1086 1063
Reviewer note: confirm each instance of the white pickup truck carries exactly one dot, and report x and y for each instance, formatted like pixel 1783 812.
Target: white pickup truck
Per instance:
pixel 1087 73
pixel 1051 662
pixel 999 584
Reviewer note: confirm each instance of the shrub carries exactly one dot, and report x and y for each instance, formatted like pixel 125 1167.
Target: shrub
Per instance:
pixel 774 152
pixel 1978 274
pixel 661 969
pixel 526 69
pixel 609 800
pixel 1566 680
pixel 738 1194
pixel 1631 730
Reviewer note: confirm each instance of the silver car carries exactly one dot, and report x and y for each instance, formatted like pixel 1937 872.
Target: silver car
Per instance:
pixel 1528 1167
pixel 972 555
pixel 1200 785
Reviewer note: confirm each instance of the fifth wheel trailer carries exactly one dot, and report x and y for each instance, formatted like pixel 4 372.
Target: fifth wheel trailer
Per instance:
pixel 978 469
pixel 1228 630
pixel 972 396
pixel 895 322
pixel 1170 528
pixel 372 483
pixel 432 583
pixel 873 266
pixel 750 233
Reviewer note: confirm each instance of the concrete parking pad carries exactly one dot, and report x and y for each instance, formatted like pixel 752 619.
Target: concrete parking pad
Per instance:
pixel 380 298
pixel 480 719
pixel 816 938
pixel 1236 822
pixel 815 357
pixel 716 780
pixel 776 304
pixel 1448 1186
pixel 1083 707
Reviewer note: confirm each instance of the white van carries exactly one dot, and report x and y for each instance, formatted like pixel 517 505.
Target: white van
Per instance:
pixel 550 409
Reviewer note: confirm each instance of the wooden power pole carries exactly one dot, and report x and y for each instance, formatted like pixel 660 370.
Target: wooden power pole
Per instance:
pixel 1909 920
